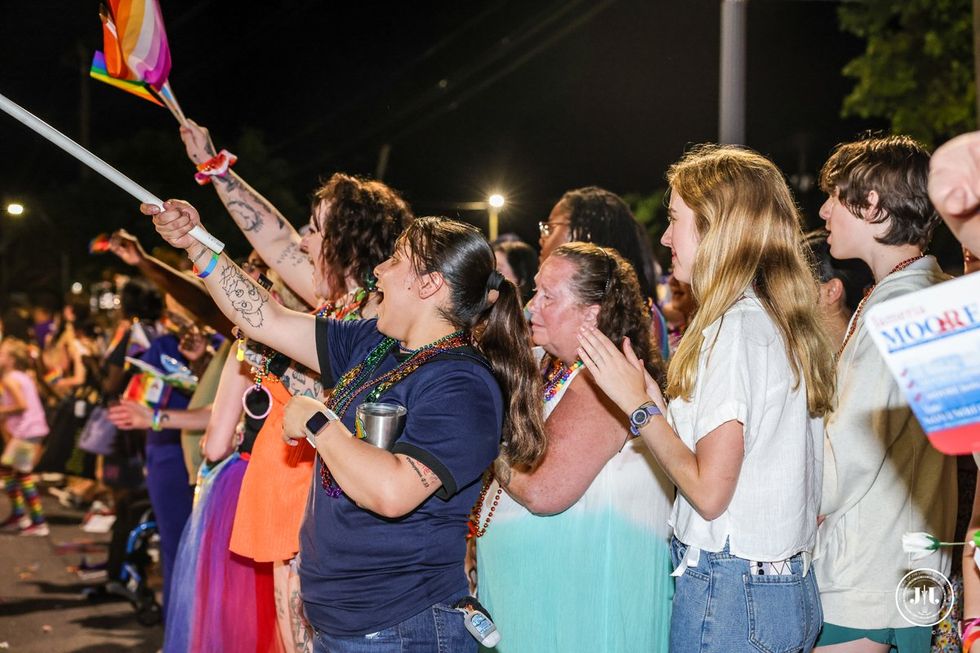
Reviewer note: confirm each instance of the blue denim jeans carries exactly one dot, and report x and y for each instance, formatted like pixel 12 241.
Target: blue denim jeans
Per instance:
pixel 720 606
pixel 437 629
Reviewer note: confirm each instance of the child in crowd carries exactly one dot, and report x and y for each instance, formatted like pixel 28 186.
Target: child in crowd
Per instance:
pixel 24 426
pixel 881 476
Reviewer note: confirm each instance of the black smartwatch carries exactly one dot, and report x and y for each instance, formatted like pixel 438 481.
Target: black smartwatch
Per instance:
pixel 317 422
pixel 641 416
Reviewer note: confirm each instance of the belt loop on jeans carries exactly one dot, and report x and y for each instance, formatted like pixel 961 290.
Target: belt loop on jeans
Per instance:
pixel 691 559
pixel 805 559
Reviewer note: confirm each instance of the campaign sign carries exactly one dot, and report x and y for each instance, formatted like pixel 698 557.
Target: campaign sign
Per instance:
pixel 931 342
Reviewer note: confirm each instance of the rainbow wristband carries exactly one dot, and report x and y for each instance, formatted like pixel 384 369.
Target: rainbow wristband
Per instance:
pixel 203 274
pixel 155 422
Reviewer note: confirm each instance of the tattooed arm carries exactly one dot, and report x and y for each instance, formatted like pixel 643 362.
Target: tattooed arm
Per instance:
pixel 391 485
pixel 272 236
pixel 241 299
pixel 297 379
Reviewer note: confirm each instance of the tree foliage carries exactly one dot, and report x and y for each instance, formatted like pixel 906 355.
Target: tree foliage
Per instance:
pixel 650 210
pixel 917 67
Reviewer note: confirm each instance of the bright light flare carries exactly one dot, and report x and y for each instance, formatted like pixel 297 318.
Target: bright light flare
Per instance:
pixel 18 209
pixel 496 200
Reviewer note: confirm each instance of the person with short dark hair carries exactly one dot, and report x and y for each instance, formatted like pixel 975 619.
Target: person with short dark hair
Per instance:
pixel 881 476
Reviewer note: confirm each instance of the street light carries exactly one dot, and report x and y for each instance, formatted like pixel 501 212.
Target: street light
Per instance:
pixel 494 203
pixel 14 208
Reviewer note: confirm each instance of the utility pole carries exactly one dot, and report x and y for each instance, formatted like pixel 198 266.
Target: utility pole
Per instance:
pixel 731 96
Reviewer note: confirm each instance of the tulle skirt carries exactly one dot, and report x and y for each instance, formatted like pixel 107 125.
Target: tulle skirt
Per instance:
pixel 181 603
pixel 230 598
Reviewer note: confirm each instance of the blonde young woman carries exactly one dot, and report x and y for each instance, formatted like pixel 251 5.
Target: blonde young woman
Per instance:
pixel 749 385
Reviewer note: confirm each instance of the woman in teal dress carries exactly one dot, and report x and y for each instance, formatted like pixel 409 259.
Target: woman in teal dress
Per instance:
pixel 574 555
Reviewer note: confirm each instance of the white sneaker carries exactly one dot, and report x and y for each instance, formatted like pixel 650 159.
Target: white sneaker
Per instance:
pixel 15 524
pixel 36 530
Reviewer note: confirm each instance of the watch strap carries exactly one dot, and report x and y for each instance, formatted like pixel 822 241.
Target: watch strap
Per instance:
pixel 641 416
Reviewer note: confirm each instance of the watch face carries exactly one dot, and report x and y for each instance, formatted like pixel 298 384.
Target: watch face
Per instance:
pixel 640 417
pixel 316 423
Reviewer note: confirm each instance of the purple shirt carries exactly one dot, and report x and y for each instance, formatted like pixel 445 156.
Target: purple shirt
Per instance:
pixel 31 423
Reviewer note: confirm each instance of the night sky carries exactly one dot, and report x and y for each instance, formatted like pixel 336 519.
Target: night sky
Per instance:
pixel 528 98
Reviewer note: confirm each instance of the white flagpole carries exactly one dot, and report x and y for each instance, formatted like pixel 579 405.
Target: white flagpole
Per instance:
pixel 97 164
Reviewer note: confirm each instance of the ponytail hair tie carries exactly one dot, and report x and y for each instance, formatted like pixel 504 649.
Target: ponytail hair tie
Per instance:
pixel 494 281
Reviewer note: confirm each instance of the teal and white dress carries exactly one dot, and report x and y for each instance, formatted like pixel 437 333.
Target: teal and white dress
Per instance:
pixel 594 578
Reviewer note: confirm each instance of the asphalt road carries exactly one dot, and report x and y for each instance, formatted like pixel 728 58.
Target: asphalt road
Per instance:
pixel 41 605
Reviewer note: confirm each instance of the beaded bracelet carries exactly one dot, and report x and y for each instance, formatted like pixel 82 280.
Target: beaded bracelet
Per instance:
pixel 203 274
pixel 216 166
pixel 155 422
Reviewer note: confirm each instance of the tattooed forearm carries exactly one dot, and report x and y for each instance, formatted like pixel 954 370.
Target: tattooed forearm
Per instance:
pixel 302 382
pixel 292 255
pixel 202 141
pixel 245 215
pixel 245 297
pixel 423 476
pixel 229 182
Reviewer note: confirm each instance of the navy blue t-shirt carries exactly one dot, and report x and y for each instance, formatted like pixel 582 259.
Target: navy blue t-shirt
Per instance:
pixel 360 572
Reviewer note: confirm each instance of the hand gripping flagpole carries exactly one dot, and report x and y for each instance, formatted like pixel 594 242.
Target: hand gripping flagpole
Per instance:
pixel 100 166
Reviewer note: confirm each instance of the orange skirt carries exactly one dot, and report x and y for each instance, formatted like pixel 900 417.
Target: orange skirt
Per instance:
pixel 274 491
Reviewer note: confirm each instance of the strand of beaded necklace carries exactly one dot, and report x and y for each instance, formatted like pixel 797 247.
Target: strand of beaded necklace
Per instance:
pixel 473 527
pixel 860 308
pixel 558 377
pixel 352 383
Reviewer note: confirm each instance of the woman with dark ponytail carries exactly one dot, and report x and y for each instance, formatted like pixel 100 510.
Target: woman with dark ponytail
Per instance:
pixel 573 553
pixel 383 540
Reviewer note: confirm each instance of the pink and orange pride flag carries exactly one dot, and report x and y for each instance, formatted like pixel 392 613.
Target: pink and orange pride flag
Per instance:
pixel 136 41
pixel 136 51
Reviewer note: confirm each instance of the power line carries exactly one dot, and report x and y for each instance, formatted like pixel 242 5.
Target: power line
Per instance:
pixel 437 93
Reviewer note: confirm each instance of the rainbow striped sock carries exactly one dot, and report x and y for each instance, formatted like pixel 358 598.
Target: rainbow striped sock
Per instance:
pixel 29 487
pixel 12 487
